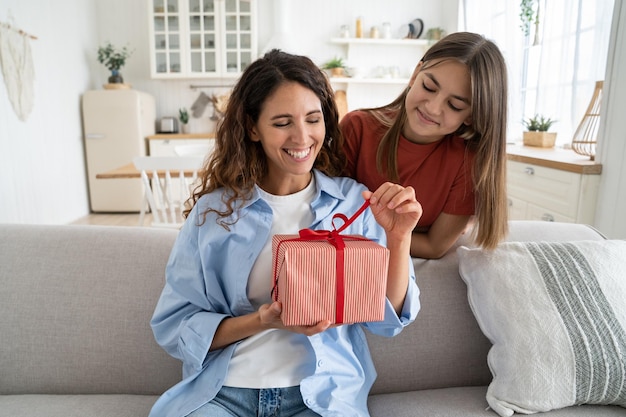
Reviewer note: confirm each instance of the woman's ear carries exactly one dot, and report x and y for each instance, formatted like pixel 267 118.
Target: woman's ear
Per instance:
pixel 468 121
pixel 254 135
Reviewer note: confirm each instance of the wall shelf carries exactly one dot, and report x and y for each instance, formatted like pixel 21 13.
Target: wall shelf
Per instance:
pixel 378 41
pixel 383 68
pixel 362 80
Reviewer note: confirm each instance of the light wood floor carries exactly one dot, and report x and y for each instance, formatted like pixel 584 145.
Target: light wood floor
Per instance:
pixel 113 219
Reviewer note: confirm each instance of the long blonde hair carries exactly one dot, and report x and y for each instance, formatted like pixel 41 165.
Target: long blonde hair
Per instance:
pixel 486 135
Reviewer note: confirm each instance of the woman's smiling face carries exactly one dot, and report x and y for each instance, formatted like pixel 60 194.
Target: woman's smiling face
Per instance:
pixel 291 130
pixel 438 102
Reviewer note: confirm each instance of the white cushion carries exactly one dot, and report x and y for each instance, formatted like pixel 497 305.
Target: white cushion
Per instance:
pixel 556 316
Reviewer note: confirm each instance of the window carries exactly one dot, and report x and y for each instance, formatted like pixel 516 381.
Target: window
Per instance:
pixel 553 69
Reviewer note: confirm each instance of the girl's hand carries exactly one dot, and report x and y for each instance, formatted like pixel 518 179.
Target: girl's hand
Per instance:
pixel 395 208
pixel 270 319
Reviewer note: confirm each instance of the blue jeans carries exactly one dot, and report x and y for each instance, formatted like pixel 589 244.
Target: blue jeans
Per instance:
pixel 248 402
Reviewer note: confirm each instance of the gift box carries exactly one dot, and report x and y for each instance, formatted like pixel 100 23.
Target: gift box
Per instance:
pixel 321 274
pixel 314 283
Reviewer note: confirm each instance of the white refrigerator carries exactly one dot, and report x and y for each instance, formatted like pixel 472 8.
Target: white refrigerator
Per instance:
pixel 115 126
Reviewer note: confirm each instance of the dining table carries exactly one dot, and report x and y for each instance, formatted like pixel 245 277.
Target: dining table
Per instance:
pixel 129 171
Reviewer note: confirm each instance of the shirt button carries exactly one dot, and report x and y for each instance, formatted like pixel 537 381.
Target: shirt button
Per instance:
pixel 320 363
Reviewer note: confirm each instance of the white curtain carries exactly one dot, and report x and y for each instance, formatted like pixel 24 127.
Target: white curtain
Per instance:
pixel 552 70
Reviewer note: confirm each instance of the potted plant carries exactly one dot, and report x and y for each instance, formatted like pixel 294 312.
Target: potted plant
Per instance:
pixel 183 117
pixel 114 59
pixel 434 34
pixel 335 66
pixel 537 131
pixel 529 14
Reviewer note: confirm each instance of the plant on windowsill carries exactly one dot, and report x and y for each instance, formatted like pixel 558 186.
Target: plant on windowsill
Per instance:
pixel 336 67
pixel 114 59
pixel 537 131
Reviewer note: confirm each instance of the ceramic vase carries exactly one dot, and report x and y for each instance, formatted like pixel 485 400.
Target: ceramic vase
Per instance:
pixel 116 77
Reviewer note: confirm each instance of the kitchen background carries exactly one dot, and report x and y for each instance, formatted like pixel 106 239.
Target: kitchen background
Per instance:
pixel 42 162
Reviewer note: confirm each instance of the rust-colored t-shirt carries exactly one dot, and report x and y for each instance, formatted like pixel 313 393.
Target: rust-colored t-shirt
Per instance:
pixel 439 172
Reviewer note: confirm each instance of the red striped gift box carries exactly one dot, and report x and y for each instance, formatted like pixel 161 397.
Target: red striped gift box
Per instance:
pixel 321 274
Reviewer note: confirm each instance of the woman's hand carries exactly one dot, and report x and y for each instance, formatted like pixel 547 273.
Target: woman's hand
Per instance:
pixel 270 318
pixel 233 329
pixel 395 208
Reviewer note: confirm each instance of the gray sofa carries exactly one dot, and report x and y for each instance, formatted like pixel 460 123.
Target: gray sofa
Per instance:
pixel 75 338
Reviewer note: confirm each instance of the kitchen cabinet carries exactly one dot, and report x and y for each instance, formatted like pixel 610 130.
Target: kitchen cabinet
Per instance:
pixel 551 185
pixel 165 144
pixel 202 38
pixel 379 69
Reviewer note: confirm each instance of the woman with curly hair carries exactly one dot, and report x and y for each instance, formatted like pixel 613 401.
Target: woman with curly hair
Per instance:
pixel 273 171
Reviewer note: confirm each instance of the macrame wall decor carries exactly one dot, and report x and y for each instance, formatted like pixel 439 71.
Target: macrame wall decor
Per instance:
pixel 17 68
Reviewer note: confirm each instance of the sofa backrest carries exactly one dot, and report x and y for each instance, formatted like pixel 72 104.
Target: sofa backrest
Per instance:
pixel 445 347
pixel 67 291
pixel 75 306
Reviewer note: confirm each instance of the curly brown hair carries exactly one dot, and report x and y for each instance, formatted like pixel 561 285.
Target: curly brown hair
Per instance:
pixel 237 163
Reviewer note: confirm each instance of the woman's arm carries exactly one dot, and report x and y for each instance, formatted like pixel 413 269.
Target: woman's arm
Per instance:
pixel 234 329
pixel 443 233
pixel 396 209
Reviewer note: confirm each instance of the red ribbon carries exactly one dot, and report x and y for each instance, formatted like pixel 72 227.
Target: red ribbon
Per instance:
pixel 335 238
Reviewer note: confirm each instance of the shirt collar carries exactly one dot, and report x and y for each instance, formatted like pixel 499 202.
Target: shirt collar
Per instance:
pixel 325 186
pixel 328 186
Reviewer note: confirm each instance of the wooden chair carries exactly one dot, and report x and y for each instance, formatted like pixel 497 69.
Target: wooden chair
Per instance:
pixel 167 182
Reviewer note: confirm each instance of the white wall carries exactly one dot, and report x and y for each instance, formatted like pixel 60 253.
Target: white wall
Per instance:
pixel 611 207
pixel 42 170
pixel 309 25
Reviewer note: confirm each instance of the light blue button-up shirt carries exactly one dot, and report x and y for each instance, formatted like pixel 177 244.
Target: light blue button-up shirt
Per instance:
pixel 206 280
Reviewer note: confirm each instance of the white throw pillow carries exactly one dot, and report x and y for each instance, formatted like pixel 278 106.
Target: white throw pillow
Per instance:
pixel 556 316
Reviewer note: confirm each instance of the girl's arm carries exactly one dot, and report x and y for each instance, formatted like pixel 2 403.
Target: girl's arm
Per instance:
pixel 443 233
pixel 396 209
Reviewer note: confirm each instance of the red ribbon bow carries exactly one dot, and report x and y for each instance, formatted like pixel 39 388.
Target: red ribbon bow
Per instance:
pixel 335 238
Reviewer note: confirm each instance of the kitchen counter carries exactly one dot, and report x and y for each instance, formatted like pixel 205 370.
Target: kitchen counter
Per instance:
pixel 175 136
pixel 166 144
pixel 557 158
pixel 551 184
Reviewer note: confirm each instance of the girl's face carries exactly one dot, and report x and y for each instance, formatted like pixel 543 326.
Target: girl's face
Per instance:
pixel 438 102
pixel 291 130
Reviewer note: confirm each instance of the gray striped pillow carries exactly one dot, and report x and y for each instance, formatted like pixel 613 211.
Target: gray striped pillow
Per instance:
pixel 556 316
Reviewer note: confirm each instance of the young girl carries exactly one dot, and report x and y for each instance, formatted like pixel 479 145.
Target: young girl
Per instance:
pixel 445 136
pixel 273 170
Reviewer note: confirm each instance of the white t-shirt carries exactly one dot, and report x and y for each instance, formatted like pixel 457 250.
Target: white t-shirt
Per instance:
pixel 274 358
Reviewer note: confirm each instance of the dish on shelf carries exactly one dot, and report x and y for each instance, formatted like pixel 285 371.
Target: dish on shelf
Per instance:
pixel 416 27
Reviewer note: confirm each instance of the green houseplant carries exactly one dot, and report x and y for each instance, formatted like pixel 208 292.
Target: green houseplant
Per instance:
pixel 113 59
pixel 528 15
pixel 335 66
pixel 434 34
pixel 183 117
pixel 536 133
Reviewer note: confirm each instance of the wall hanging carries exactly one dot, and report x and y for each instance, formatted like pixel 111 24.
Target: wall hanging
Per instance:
pixel 17 68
